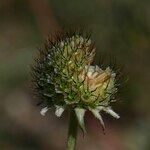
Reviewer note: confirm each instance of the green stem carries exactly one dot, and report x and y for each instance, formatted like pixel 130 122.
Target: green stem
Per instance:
pixel 72 132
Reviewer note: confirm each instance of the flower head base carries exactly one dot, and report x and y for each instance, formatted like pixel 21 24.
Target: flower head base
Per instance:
pixel 65 77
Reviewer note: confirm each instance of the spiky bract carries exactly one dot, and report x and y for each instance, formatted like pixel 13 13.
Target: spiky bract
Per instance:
pixel 65 77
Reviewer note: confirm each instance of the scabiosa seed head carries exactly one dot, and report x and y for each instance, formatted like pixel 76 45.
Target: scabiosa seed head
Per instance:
pixel 64 77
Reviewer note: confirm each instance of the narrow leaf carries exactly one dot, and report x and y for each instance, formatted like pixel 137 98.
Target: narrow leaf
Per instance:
pixel 80 112
pixel 59 110
pixel 96 113
pixel 111 112
pixel 44 110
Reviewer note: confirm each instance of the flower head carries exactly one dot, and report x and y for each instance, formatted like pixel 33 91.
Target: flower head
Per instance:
pixel 65 77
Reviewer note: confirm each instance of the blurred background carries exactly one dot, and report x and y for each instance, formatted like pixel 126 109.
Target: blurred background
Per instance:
pixel 120 27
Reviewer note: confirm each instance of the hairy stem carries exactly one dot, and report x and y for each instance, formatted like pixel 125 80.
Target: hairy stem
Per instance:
pixel 72 132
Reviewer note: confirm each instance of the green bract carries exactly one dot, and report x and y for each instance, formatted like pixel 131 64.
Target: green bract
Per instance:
pixel 65 77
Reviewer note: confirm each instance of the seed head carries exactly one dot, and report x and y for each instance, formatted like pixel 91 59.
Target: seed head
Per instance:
pixel 65 77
